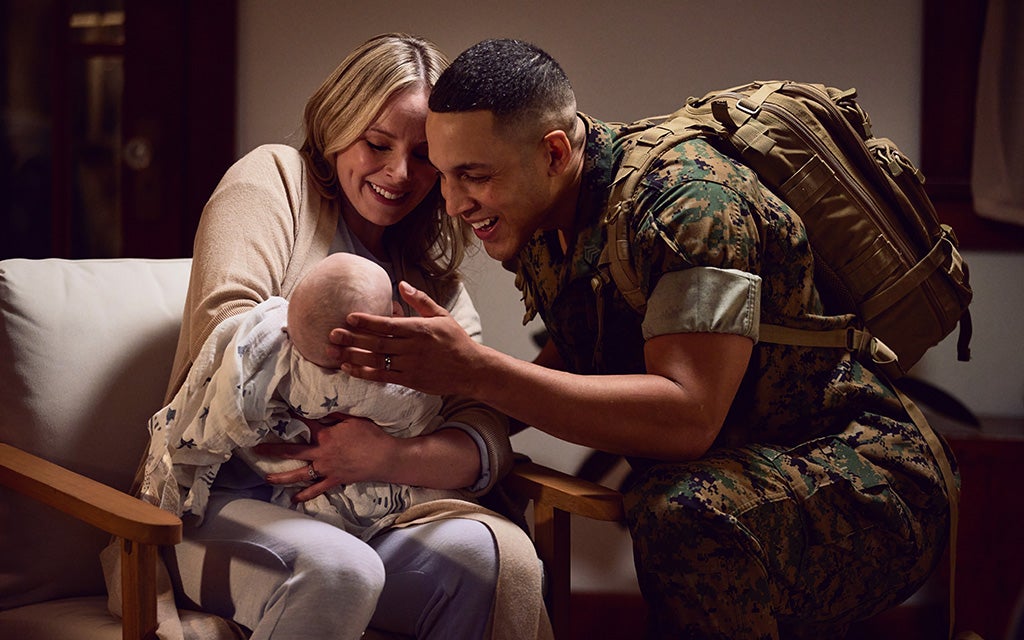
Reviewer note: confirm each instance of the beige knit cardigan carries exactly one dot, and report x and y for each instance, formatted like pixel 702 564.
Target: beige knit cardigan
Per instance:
pixel 264 226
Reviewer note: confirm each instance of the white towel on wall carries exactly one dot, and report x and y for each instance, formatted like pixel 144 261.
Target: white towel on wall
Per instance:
pixel 997 174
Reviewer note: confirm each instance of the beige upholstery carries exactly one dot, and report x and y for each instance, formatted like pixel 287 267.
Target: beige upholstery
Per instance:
pixel 85 353
pixel 86 618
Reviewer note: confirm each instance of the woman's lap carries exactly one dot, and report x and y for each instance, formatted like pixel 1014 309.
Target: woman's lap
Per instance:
pixel 279 572
pixel 440 579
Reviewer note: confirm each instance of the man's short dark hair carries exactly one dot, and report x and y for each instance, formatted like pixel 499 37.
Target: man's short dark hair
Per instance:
pixel 517 81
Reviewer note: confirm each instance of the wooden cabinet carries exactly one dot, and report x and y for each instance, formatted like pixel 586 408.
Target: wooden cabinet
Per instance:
pixel 990 553
pixel 952 35
pixel 116 122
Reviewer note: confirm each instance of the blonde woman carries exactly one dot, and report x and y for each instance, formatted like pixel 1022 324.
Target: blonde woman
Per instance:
pixel 361 183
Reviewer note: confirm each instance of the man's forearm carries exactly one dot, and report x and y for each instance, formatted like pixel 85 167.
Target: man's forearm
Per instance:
pixel 644 415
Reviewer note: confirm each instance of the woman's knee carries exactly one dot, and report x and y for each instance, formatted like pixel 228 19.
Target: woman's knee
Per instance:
pixel 441 579
pixel 335 560
pixel 272 548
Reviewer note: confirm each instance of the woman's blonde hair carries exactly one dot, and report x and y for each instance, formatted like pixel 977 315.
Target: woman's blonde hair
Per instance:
pixel 347 102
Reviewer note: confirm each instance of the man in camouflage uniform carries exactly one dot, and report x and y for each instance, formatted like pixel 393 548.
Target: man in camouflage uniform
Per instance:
pixel 782 491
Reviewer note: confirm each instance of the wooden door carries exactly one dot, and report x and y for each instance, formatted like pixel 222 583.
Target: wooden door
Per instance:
pixel 118 120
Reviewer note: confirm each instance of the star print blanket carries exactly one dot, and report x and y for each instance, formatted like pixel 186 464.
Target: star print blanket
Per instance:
pixel 242 390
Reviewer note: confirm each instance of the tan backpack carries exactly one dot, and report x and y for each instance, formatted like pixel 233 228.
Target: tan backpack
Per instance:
pixel 880 251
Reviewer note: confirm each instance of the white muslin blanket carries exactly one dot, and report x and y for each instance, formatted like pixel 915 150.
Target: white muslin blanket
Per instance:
pixel 242 390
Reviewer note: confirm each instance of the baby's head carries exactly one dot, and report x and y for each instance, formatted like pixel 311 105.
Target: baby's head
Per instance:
pixel 338 285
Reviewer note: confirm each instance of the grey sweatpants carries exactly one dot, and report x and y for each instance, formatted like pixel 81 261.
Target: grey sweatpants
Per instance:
pixel 285 575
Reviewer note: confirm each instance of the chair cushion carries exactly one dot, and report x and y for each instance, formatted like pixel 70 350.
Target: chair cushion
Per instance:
pixel 86 348
pixel 87 618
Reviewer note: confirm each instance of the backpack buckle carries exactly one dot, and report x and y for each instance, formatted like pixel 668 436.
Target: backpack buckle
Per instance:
pixel 862 342
pixel 881 353
pixel 851 340
pixel 749 109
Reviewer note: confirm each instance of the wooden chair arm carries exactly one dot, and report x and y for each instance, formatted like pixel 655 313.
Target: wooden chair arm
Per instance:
pixel 555 496
pixel 87 500
pixel 140 526
pixel 565 492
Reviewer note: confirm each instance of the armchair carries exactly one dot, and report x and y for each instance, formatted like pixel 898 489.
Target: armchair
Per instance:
pixel 85 353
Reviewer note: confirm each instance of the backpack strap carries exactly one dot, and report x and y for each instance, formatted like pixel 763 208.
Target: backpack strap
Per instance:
pixel 748 132
pixel 946 469
pixel 852 339
pixel 616 255
pixel 943 255
pixel 655 136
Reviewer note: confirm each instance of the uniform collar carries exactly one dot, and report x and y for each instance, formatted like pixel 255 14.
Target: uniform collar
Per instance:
pixel 542 268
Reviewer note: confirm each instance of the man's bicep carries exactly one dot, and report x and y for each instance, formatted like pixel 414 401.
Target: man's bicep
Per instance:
pixel 708 367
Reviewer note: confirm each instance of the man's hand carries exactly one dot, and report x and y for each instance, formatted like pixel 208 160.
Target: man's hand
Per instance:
pixel 431 353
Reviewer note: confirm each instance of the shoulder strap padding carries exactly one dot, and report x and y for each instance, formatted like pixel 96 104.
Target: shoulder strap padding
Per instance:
pixel 647 146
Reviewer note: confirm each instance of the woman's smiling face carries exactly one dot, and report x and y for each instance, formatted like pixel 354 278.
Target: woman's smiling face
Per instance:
pixel 386 173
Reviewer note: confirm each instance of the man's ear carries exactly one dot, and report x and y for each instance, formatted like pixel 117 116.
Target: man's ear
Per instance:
pixel 559 151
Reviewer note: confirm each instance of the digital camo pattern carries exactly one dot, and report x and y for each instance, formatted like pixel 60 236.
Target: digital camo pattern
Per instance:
pixel 820 502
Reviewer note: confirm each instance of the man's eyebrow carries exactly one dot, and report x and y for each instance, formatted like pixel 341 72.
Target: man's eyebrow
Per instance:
pixel 464 167
pixel 470 166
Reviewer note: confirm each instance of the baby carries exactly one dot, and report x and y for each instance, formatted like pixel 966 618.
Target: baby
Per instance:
pixel 339 284
pixel 230 406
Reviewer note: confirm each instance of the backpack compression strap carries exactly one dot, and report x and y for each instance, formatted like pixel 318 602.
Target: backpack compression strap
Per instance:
pixel 939 453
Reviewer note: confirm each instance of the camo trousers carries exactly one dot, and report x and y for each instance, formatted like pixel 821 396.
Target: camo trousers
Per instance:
pixel 766 543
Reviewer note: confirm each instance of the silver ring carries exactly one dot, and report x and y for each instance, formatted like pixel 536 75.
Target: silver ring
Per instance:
pixel 313 475
pixel 387 362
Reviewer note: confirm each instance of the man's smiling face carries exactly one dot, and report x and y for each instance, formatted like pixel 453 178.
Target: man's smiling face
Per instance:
pixel 497 183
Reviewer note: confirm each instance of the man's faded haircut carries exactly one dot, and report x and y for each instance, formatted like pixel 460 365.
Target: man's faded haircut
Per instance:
pixel 518 82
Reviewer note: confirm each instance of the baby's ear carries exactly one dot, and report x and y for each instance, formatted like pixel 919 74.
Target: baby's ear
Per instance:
pixel 333 357
pixel 396 309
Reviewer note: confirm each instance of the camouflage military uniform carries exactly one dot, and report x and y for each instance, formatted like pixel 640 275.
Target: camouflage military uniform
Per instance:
pixel 819 503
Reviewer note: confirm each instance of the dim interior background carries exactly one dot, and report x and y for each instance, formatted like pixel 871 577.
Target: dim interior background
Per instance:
pixel 626 61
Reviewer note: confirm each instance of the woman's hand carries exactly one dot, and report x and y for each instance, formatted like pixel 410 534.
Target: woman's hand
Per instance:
pixel 350 450
pixel 432 353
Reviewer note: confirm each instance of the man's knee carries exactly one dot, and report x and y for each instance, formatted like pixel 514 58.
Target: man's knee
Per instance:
pixel 699 567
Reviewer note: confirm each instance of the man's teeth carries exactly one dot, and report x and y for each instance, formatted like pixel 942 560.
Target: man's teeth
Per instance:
pixel 482 224
pixel 381 191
